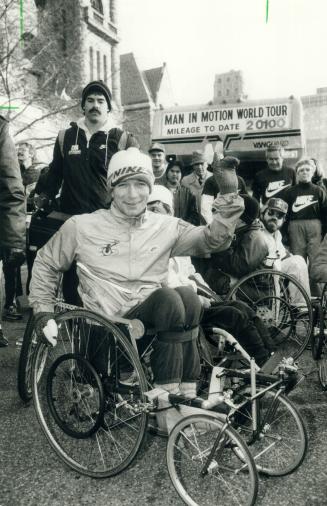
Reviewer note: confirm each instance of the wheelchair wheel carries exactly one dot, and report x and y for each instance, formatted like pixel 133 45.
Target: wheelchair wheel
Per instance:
pixel 204 466
pixel 282 303
pixel 24 377
pixel 89 397
pixel 318 337
pixel 280 442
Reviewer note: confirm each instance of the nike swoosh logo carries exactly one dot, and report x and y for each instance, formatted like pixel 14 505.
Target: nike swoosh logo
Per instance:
pixel 271 193
pixel 298 207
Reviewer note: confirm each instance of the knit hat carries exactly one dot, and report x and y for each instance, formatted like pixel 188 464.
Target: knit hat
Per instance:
pixel 162 194
pixel 278 205
pixel 198 157
pixel 229 162
pixel 251 211
pixel 130 163
pixel 156 146
pixel 98 87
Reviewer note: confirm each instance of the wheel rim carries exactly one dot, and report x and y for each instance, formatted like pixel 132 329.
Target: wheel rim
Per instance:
pixel 228 480
pixel 292 318
pixel 280 445
pixel 108 439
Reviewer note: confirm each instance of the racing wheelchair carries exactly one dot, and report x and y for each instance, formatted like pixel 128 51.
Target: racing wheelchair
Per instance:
pixel 92 394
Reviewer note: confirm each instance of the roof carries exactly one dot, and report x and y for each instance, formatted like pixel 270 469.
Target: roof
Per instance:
pixel 138 86
pixel 133 87
pixel 153 78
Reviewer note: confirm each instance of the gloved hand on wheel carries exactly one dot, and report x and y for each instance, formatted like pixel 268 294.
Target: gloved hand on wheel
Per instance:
pixel 45 327
pixel 224 172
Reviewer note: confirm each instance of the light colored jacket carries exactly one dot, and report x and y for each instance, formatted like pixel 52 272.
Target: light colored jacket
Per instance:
pixel 192 183
pixel 120 260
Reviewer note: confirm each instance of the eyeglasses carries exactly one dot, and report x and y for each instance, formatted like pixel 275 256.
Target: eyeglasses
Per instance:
pixel 278 214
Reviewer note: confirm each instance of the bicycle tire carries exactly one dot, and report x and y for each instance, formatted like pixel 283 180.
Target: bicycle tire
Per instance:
pixel 291 327
pixel 25 361
pixel 116 442
pixel 278 431
pixel 228 479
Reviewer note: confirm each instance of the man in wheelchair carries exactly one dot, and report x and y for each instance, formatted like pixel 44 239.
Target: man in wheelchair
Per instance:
pixel 236 317
pixel 122 256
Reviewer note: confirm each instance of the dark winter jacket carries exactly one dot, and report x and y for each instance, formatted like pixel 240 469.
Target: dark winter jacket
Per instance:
pixel 12 199
pixel 81 171
pixel 246 253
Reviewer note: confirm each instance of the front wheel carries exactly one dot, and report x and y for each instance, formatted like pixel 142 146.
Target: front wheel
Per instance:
pixel 25 361
pixel 280 442
pixel 88 393
pixel 204 467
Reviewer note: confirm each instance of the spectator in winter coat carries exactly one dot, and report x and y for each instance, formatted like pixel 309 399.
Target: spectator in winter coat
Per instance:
pixel 158 156
pixel 82 154
pixel 184 201
pixel 307 212
pixel 275 179
pixel 12 206
pixel 195 181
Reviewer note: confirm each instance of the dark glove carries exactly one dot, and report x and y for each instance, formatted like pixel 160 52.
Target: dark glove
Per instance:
pixel 40 321
pixel 13 257
pixel 225 174
pixel 42 202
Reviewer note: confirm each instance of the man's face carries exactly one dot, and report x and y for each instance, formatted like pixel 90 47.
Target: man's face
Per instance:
pixel 157 207
pixel 158 159
pixel 274 160
pixel 131 197
pixel 200 169
pixel 304 173
pixel 24 155
pixel 174 175
pixel 273 219
pixel 96 108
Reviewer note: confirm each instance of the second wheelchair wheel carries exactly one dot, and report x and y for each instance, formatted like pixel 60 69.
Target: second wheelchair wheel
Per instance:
pixel 24 377
pixel 89 397
pixel 204 467
pixel 284 306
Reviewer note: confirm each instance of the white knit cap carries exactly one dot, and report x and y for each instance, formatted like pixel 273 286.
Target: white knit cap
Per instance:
pixel 130 163
pixel 161 193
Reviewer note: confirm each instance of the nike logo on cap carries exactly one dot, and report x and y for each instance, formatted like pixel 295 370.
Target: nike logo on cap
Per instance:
pixel 275 187
pixel 302 202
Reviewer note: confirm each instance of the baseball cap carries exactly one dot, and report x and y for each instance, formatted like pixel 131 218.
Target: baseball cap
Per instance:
pixel 278 205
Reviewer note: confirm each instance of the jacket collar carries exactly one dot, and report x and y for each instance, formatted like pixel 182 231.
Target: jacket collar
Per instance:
pixel 122 218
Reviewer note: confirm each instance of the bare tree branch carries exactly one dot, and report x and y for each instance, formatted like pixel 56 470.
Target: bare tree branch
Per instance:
pixel 48 115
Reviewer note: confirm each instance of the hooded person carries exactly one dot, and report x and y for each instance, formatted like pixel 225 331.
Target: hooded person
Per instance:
pixel 122 257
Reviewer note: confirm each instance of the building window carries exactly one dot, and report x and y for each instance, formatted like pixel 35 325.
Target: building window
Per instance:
pixel 105 69
pixel 91 64
pixel 98 65
pixel 97 5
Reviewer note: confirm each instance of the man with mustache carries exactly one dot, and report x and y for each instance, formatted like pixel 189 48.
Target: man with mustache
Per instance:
pixel 82 154
pixel 273 217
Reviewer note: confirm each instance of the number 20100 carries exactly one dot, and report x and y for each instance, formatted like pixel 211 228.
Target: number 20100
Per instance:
pixel 261 124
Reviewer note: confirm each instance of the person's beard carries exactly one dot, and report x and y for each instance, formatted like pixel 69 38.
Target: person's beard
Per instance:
pixel 271 225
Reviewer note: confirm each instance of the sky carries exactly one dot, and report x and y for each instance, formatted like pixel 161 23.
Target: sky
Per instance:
pixel 200 38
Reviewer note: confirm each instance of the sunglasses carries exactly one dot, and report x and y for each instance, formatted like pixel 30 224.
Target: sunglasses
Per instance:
pixel 278 214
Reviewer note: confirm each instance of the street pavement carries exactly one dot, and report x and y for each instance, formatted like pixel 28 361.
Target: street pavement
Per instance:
pixel 31 474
